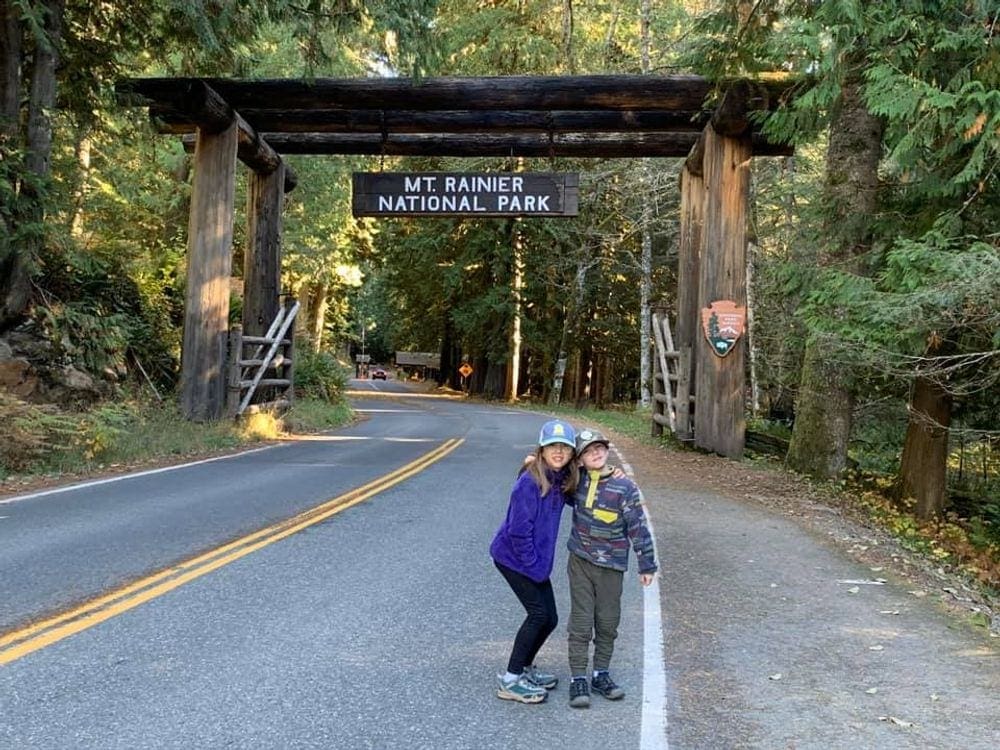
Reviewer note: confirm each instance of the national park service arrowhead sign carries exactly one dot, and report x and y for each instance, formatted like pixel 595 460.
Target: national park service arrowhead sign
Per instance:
pixel 723 323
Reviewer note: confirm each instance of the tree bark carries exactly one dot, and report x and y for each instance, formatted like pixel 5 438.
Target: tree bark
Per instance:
pixel 28 220
pixel 12 271
pixel 82 150
pixel 315 313
pixel 10 73
pixel 823 408
pixel 579 286
pixel 646 282
pixel 567 36
pixel 517 284
pixel 923 467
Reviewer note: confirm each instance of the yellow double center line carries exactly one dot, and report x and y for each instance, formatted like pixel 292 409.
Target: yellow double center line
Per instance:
pixel 18 643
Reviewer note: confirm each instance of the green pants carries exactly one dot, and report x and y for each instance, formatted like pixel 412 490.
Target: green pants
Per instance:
pixel 595 611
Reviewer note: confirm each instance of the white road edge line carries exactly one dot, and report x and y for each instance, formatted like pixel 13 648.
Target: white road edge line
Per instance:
pixel 653 732
pixel 130 475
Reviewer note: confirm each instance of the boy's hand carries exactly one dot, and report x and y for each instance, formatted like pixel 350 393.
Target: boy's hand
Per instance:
pixel 645 578
pixel 617 473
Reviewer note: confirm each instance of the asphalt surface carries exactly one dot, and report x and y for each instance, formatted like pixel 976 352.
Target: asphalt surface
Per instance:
pixel 775 638
pixel 383 625
pixel 380 627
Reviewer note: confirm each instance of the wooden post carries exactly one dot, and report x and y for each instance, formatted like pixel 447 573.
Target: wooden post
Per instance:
pixel 262 261
pixel 719 420
pixel 289 372
pixel 209 266
pixel 234 370
pixel 688 260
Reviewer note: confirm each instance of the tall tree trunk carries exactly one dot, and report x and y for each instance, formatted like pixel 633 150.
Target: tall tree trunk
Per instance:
pixel 751 332
pixel 13 278
pixel 315 303
pixel 451 354
pixel 825 399
pixel 567 36
pixel 579 286
pixel 923 467
pixel 28 220
pixel 583 375
pixel 646 282
pixel 10 74
pixel 517 284
pixel 82 150
pixel 494 381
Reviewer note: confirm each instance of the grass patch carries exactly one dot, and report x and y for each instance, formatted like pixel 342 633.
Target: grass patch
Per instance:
pixel 313 415
pixel 134 432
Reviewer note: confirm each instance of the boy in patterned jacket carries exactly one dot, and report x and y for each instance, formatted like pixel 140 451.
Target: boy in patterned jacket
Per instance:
pixel 608 517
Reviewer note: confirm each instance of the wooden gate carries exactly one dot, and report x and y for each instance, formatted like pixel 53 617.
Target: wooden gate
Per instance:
pixel 272 351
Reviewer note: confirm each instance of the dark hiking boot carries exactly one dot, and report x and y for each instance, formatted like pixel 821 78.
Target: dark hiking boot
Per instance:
pixel 604 685
pixel 579 693
pixel 539 678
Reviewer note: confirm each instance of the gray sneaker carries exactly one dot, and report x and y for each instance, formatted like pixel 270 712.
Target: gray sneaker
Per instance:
pixel 579 693
pixel 539 678
pixel 520 690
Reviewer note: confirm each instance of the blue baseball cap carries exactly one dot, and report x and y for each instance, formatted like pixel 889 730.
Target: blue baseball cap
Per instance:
pixel 557 431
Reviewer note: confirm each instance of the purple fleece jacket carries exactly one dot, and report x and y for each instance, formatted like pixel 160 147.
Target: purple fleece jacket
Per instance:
pixel 526 540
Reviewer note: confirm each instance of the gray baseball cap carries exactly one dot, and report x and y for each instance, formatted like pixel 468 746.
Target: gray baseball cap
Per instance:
pixel 587 437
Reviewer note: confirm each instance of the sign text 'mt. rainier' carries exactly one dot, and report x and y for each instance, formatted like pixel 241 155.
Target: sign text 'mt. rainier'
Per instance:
pixel 465 194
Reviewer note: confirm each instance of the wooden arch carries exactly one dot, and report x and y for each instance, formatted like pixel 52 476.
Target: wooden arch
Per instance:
pixel 556 116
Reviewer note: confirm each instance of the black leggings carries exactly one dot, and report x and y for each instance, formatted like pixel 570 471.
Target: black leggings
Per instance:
pixel 542 619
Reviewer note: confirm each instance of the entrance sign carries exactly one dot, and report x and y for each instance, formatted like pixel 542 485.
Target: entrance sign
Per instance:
pixel 723 323
pixel 466 194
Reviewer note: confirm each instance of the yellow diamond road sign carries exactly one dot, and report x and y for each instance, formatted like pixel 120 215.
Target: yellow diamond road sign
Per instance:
pixel 465 369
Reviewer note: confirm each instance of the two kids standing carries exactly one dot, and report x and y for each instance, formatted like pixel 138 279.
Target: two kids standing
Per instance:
pixel 607 517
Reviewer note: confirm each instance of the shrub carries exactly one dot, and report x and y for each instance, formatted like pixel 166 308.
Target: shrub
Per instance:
pixel 319 375
pixel 31 432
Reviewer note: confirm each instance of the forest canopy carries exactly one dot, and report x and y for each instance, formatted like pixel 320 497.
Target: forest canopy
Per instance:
pixel 873 265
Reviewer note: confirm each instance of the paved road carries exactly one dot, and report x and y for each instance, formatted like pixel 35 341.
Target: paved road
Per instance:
pixel 380 626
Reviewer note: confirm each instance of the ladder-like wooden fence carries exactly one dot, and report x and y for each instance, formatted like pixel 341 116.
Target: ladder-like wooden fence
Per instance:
pixel 664 376
pixel 272 351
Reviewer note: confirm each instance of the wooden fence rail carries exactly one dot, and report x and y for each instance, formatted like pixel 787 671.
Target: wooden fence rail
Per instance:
pixel 272 351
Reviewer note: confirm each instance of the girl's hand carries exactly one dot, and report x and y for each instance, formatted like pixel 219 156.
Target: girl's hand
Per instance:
pixel 645 578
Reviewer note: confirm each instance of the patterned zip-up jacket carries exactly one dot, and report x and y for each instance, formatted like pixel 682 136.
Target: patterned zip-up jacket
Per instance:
pixel 607 515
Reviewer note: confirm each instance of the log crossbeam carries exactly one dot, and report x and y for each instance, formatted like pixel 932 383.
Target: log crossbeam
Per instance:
pixel 564 145
pixel 198 105
pixel 544 93
pixel 442 121
pixel 573 116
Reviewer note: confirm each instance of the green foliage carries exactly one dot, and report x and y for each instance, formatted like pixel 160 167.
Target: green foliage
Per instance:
pixel 312 415
pixel 31 432
pixel 318 375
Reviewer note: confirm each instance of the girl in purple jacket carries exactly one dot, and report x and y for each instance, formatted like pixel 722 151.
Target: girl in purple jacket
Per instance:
pixel 523 550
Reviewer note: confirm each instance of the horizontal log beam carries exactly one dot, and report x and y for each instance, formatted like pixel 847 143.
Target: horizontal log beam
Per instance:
pixel 592 92
pixel 459 121
pixel 565 145
pixel 258 155
pixel 200 106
